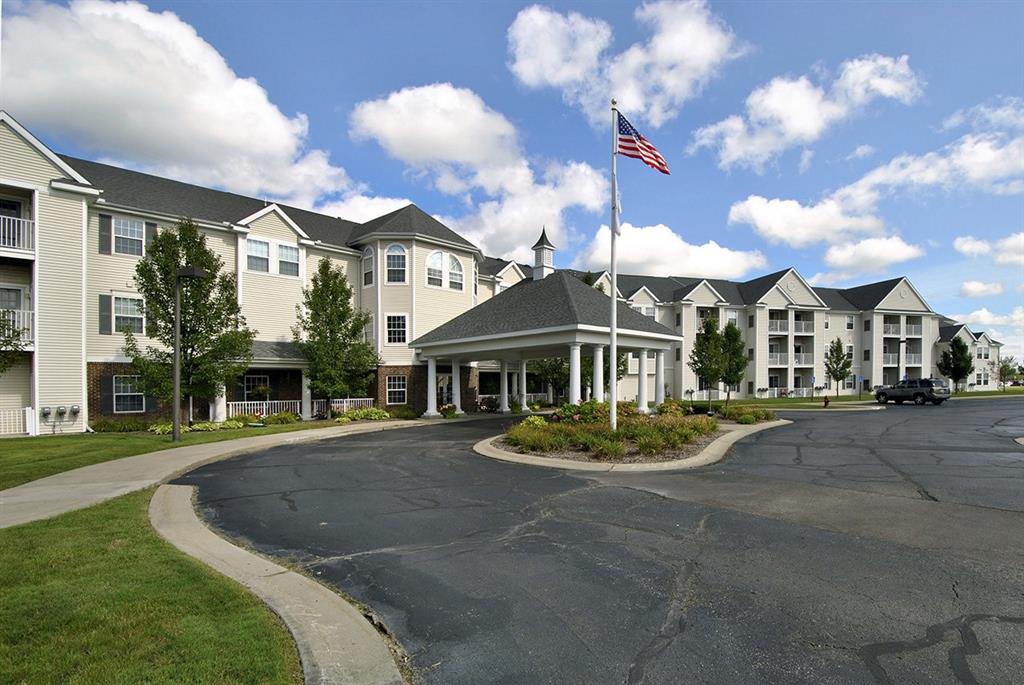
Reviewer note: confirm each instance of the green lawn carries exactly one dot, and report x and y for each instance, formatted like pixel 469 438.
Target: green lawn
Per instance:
pixel 25 459
pixel 96 596
pixel 1009 392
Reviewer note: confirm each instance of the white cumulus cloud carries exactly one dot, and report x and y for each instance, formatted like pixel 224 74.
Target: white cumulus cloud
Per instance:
pixel 971 246
pixel 451 136
pixel 989 162
pixel 659 251
pixel 651 79
pixel 1001 113
pixel 1010 250
pixel 143 89
pixel 980 289
pixel 861 152
pixel 789 112
pixel 871 254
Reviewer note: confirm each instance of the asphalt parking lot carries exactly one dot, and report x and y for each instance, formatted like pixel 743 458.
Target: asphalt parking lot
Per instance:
pixel 859 547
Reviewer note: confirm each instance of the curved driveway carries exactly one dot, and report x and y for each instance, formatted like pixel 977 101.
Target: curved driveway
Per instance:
pixel 787 563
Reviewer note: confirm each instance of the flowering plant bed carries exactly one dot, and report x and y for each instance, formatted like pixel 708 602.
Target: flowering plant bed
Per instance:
pixel 638 438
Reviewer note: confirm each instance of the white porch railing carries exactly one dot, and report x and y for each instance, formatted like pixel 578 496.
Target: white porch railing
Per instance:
pixel 890 359
pixel 803 358
pixel 778 358
pixel 772 392
pixel 803 327
pixel 890 328
pixel 320 407
pixel 17 234
pixel 801 392
pixel 704 395
pixel 16 421
pixel 531 397
pixel 264 408
pixel 778 325
pixel 913 359
pixel 20 319
pixel 913 329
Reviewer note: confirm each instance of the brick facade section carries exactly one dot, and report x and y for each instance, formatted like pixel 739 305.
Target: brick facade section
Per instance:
pixel 416 386
pixel 99 378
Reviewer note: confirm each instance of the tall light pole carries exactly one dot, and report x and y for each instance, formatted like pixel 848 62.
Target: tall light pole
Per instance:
pixel 184 273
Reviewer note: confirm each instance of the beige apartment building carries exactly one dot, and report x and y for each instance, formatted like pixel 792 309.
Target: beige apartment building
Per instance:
pixel 72 231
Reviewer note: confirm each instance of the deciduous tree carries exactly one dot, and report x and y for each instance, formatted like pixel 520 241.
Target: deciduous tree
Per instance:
pixel 12 342
pixel 955 362
pixel 837 363
pixel 734 359
pixel 706 356
pixel 329 333
pixel 216 345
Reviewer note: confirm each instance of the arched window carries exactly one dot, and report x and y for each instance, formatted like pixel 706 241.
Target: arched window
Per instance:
pixel 454 273
pixel 435 269
pixel 368 266
pixel 395 258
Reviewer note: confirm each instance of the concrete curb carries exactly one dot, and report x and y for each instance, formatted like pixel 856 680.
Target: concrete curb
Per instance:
pixel 89 485
pixel 336 643
pixel 712 453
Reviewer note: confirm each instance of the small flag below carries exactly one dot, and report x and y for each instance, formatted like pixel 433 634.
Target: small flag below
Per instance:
pixel 632 144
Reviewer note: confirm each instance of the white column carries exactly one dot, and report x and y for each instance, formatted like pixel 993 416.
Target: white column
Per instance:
pixel 522 386
pixel 431 387
pixel 457 386
pixel 599 373
pixel 551 394
pixel 641 393
pixel 574 373
pixel 659 377
pixel 220 405
pixel 503 397
pixel 307 398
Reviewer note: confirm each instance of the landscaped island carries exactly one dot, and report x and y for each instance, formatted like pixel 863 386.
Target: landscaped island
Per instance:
pixel 582 432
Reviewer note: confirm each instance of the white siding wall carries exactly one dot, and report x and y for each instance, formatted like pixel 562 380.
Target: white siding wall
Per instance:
pixel 21 162
pixel 16 384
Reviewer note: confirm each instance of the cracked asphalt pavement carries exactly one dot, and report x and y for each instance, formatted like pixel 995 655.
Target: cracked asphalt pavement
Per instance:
pixel 857 547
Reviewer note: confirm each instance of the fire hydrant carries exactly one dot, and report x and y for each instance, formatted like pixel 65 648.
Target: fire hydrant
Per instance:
pixel 827 400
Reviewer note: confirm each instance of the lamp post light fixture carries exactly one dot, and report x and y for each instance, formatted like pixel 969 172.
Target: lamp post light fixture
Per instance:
pixel 185 273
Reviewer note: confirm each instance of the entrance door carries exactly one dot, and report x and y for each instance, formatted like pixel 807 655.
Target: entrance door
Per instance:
pixel 444 389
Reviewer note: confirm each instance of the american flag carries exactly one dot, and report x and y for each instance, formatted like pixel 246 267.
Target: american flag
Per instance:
pixel 632 144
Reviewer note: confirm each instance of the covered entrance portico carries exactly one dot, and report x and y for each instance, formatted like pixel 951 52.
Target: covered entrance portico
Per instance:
pixel 557 316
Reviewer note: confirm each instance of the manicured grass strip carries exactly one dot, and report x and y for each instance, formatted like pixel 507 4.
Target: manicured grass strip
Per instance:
pixel 95 596
pixel 1009 392
pixel 25 459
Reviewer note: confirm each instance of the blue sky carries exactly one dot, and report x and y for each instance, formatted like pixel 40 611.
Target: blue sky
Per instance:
pixel 484 114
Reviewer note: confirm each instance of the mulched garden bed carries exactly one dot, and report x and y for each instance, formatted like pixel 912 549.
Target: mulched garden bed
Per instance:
pixel 632 456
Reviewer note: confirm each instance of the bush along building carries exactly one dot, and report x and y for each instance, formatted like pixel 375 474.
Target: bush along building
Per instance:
pixel 445 319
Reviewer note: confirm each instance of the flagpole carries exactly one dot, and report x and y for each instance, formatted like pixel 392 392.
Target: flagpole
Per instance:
pixel 613 356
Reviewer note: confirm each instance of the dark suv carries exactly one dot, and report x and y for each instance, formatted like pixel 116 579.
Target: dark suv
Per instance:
pixel 934 390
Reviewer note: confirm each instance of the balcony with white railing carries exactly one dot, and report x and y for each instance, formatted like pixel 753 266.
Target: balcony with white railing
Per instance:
pixel 914 329
pixel 801 392
pixel 20 320
pixel 912 359
pixel 778 325
pixel 778 359
pixel 890 329
pixel 17 234
pixel 803 359
pixel 890 359
pixel 803 327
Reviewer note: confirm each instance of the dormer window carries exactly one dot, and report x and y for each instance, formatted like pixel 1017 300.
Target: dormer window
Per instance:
pixel 368 266
pixel 396 261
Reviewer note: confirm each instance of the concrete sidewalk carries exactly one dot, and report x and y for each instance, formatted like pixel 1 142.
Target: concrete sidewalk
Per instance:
pixel 83 487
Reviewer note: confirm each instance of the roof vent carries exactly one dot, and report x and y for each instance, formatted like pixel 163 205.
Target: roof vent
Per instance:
pixel 543 256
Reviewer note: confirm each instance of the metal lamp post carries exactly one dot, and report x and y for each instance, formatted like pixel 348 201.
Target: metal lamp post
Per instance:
pixel 184 273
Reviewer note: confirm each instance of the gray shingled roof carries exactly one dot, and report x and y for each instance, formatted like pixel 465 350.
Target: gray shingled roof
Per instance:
pixel 163 195
pixel 752 291
pixel 558 300
pixel 543 241
pixel 833 297
pixel 492 266
pixel 868 296
pixel 410 220
pixel 947 333
pixel 274 349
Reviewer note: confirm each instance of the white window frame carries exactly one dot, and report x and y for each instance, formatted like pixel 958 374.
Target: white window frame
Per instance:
pixel 387 328
pixel 363 271
pixel 826 322
pixel 850 382
pixel 849 352
pixel 402 387
pixel 249 256
pixel 21 296
pixel 114 221
pixel 135 392
pixel 428 268
pixel 455 267
pixel 851 322
pixel 732 317
pixel 281 260
pixel 393 251
pixel 245 384
pixel 141 316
